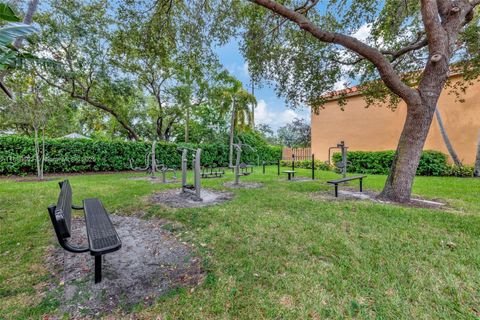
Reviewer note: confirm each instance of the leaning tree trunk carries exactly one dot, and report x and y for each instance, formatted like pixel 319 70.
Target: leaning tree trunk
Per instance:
pixel 446 139
pixel 398 186
pixel 187 120
pixel 477 161
pixel 42 165
pixel 37 154
pixel 232 132
pixel 32 8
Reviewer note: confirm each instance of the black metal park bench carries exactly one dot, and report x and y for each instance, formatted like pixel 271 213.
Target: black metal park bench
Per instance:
pixel 212 172
pixel 342 180
pixel 102 236
pixel 245 169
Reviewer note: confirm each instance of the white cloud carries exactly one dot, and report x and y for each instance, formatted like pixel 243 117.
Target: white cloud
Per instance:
pixel 240 71
pixel 264 114
pixel 363 32
pixel 339 85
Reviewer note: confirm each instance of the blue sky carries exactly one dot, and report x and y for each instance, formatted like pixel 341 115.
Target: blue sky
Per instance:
pixel 271 109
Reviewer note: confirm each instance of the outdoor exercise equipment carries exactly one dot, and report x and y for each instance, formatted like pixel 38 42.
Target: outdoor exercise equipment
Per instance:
pixel 212 172
pixel 277 163
pixel 241 169
pixel 152 166
pixel 291 173
pixel 342 166
pixel 194 188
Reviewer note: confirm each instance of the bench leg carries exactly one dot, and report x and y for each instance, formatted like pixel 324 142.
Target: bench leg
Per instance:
pixel 361 185
pixel 336 190
pixel 98 269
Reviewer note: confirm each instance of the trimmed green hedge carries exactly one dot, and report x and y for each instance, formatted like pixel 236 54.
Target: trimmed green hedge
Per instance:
pixel 432 163
pixel 17 155
pixel 307 164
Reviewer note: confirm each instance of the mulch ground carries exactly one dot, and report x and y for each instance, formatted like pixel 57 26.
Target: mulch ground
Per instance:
pixel 174 198
pixel 151 262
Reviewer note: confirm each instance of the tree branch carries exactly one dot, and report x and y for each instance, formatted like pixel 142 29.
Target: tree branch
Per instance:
pixel 131 132
pixel 387 73
pixel 419 43
pixel 433 27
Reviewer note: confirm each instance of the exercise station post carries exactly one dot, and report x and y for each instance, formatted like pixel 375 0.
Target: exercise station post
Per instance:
pixel 241 169
pixel 194 188
pixel 344 163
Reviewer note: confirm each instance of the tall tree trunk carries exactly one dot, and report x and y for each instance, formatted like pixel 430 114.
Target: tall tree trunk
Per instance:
pixel 254 105
pixel 398 186
pixel 477 161
pixel 32 8
pixel 159 128
pixel 232 132
pixel 37 152
pixel 187 120
pixel 42 165
pixel 446 139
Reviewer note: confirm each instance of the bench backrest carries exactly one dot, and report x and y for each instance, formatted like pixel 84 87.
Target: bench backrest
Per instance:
pixel 61 214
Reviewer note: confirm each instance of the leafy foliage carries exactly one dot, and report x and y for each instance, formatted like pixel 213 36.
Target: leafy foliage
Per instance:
pixel 81 155
pixel 7 13
pixel 432 163
pixel 307 164
pixel 9 55
pixel 295 134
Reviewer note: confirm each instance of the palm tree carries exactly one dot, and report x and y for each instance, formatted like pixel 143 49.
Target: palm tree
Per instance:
pixel 237 101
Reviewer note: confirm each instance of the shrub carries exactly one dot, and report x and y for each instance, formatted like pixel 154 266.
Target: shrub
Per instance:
pixel 457 171
pixel 432 163
pixel 307 164
pixel 17 155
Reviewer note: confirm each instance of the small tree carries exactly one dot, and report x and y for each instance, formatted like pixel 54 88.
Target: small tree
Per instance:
pixel 32 108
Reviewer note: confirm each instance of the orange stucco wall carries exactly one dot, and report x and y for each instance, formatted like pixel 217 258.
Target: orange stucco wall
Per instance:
pixel 379 128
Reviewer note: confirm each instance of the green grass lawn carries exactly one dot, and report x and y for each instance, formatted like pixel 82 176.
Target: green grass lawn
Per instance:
pixel 275 252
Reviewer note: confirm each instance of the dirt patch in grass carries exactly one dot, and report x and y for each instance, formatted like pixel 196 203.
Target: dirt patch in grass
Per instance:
pixel 243 185
pixel 349 193
pixel 150 263
pixel 176 199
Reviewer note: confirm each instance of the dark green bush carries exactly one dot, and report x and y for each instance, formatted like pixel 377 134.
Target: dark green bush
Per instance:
pixel 432 163
pixel 17 155
pixel 307 164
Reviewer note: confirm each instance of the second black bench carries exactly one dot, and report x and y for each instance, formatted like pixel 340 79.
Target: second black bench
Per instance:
pixel 102 236
pixel 290 173
pixel 338 181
